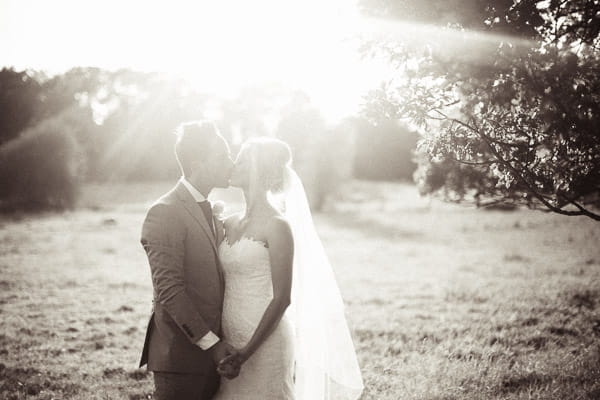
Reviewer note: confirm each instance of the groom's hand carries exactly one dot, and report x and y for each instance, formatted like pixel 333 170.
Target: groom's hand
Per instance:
pixel 231 365
pixel 228 369
pixel 221 351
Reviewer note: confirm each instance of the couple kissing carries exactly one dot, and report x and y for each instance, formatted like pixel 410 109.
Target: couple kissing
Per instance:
pixel 245 306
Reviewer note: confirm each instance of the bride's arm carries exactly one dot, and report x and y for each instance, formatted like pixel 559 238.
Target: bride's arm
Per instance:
pixel 281 255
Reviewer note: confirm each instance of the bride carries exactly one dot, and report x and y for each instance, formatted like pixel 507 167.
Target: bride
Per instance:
pixel 282 309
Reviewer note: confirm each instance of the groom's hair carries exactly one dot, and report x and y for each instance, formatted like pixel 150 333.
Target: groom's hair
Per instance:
pixel 195 141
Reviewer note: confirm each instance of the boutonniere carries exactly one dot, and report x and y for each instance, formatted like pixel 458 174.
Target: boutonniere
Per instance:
pixel 218 210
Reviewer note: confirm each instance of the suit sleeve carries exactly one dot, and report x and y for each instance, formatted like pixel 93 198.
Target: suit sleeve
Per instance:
pixel 163 238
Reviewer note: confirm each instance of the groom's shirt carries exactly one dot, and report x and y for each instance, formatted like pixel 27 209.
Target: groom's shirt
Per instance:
pixel 210 339
pixel 198 197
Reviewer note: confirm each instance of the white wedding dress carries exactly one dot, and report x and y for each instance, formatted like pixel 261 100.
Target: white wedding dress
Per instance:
pixel 310 355
pixel 269 372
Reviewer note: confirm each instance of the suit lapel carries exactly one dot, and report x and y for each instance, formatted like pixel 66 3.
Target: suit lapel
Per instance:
pixel 194 209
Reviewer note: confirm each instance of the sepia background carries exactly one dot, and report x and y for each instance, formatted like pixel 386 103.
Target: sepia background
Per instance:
pixel 450 150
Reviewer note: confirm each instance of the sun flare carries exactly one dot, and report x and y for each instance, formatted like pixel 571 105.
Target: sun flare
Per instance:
pixel 218 47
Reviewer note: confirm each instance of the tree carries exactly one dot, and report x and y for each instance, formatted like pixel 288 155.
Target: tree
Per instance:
pixel 514 119
pixel 39 169
pixel 303 127
pixel 384 151
pixel 19 102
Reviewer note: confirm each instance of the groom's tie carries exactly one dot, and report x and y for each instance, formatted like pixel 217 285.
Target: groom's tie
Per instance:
pixel 207 210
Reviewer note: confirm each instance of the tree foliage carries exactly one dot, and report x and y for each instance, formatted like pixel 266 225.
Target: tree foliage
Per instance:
pixel 40 168
pixel 384 151
pixel 122 122
pixel 512 118
pixel 19 101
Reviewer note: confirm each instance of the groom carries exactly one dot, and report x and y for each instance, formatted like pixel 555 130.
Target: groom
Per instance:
pixel 181 237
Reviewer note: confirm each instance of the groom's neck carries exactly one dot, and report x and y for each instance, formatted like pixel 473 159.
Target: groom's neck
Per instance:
pixel 200 185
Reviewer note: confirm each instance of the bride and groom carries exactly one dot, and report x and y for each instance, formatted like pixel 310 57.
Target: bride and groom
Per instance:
pixel 244 307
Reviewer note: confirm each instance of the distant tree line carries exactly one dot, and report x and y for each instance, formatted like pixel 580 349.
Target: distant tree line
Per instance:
pixel 94 125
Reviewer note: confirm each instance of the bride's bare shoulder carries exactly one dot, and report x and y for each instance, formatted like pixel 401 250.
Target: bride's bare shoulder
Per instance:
pixel 278 226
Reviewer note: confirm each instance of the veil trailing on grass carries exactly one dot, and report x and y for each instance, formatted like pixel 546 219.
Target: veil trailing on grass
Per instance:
pixel 326 364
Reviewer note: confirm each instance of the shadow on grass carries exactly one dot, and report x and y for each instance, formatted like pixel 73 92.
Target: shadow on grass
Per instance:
pixel 17 383
pixel 517 383
pixel 580 379
pixel 372 228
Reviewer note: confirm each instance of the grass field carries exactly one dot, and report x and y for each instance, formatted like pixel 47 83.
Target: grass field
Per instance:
pixel 445 302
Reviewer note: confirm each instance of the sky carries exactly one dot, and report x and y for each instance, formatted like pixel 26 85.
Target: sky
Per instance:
pixel 219 46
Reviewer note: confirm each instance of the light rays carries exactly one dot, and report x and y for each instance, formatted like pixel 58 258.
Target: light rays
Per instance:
pixel 220 47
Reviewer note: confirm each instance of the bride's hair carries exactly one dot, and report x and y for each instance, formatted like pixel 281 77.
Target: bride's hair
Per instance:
pixel 271 159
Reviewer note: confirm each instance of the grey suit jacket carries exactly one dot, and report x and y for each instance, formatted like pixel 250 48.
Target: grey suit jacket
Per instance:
pixel 188 283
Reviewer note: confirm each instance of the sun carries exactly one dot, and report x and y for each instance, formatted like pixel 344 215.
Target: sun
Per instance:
pixel 307 45
pixel 218 46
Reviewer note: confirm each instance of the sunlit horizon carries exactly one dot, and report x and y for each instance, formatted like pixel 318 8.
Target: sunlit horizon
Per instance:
pixel 218 47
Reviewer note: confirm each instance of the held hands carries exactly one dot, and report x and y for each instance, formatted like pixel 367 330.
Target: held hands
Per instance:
pixel 226 357
pixel 231 364
pixel 220 351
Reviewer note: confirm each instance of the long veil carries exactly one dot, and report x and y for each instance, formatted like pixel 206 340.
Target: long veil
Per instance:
pixel 326 364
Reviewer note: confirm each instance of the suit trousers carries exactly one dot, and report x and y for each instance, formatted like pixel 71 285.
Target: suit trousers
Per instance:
pixel 181 386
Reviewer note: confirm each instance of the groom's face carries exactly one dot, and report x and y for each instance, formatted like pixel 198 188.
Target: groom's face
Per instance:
pixel 212 169
pixel 221 164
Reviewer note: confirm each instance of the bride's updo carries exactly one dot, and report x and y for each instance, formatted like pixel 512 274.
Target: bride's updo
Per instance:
pixel 270 158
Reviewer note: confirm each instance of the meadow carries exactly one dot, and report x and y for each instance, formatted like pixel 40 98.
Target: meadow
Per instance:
pixel 444 301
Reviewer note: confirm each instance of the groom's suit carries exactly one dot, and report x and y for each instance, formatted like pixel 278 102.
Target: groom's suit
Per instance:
pixel 188 284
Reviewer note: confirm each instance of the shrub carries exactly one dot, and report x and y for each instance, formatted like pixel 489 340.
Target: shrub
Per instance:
pixel 39 169
pixel 384 151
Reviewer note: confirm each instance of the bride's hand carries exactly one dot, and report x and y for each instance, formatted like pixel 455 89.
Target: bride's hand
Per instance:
pixel 236 358
pixel 228 370
pixel 230 365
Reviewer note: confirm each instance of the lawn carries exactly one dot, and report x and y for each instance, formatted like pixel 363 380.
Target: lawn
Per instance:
pixel 444 301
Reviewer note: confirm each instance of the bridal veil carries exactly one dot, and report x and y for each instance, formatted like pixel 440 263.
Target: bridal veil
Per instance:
pixel 326 363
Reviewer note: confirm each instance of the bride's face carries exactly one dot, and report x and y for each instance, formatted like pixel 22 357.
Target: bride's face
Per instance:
pixel 240 176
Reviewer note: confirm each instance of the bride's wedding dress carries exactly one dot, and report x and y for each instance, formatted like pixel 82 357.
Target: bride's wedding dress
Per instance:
pixel 310 355
pixel 269 372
